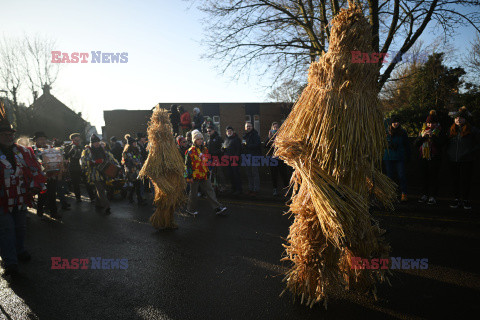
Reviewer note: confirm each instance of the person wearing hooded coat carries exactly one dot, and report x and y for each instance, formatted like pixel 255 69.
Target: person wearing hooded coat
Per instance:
pixel 462 151
pixel 92 157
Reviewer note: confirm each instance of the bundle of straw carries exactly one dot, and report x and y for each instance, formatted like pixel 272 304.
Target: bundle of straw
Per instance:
pixel 164 166
pixel 334 139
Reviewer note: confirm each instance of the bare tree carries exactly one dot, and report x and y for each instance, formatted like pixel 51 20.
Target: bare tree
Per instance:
pixel 10 69
pixel 37 66
pixel 284 36
pixel 473 58
pixel 288 91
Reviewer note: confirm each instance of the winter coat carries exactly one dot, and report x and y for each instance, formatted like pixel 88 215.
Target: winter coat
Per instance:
pixel 19 178
pixel 232 146
pixel 132 163
pixel 463 146
pixel 117 151
pixel 175 120
pixel 73 154
pixel 253 145
pixel 196 163
pixel 215 144
pixel 185 120
pixel 398 147
pixel 198 119
pixel 143 151
pixel 430 147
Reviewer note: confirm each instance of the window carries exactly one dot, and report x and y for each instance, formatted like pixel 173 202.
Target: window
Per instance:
pixel 256 122
pixel 248 118
pixel 216 122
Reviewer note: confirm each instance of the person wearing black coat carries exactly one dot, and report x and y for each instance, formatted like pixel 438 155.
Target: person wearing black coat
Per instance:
pixel 174 118
pixel 197 119
pixel 280 168
pixel 73 153
pixel 232 147
pixel 429 145
pixel 253 147
pixel 462 151
pixel 214 146
pixel 116 149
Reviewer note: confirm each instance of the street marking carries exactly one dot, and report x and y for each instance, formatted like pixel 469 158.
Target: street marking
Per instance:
pixel 375 214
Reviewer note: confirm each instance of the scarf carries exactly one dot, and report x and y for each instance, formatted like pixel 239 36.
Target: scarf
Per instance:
pixel 427 148
pixel 465 130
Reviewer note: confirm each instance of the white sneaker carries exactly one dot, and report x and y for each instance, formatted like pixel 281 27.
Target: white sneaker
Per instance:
pixel 432 200
pixel 220 210
pixel 193 213
pixel 423 198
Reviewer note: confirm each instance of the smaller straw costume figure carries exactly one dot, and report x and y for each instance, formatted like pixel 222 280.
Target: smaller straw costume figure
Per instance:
pixel 164 166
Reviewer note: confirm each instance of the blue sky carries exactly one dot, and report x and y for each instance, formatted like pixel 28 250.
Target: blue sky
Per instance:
pixel 162 39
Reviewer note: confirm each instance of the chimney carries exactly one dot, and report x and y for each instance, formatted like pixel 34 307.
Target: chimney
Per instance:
pixel 46 89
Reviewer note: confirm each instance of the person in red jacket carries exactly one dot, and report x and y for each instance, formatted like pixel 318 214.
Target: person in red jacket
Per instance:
pixel 185 120
pixel 21 177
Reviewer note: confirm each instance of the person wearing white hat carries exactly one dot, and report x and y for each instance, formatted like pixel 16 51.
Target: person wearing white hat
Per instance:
pixel 197 175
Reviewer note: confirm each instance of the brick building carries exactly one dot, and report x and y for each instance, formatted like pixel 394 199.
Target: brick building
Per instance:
pixel 120 122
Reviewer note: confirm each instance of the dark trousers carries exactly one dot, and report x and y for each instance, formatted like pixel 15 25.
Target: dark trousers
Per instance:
pixel 430 170
pixel 48 199
pixel 77 178
pixel 13 227
pixel 396 167
pixel 461 174
pixel 281 170
pixel 136 188
pixel 234 177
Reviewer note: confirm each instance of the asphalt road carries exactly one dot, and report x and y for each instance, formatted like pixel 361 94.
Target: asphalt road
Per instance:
pixel 229 267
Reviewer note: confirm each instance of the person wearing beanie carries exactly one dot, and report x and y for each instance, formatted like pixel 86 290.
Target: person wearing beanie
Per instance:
pixel 21 177
pixel 94 156
pixel 462 150
pixel 429 144
pixel 132 163
pixel 196 173
pixel 397 154
pixel 232 147
pixel 73 153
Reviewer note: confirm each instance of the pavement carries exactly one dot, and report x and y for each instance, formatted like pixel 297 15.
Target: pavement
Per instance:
pixel 228 267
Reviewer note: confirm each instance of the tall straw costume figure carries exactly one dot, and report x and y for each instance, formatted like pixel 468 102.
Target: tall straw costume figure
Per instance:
pixel 334 139
pixel 164 166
